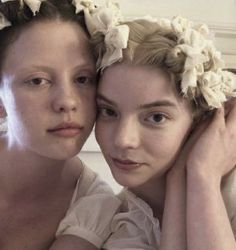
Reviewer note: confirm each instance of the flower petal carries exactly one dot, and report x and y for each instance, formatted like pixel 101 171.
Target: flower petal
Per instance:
pixel 3 22
pixel 34 5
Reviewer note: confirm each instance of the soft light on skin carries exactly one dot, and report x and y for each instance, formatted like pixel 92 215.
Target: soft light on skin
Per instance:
pixel 142 122
pixel 48 78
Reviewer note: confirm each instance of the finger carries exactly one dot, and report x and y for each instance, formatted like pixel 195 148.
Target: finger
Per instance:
pixel 190 141
pixel 197 131
pixel 228 106
pixel 218 119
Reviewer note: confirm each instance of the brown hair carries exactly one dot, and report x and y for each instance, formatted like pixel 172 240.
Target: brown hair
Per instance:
pixel 21 17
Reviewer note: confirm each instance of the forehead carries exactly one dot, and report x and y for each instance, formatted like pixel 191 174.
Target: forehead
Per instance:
pixel 45 39
pixel 140 83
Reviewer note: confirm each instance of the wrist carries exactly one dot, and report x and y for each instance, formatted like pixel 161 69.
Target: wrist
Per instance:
pixel 202 178
pixel 176 180
pixel 175 175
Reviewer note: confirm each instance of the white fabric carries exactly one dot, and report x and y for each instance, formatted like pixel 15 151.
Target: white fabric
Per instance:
pixel 89 216
pixel 34 5
pixel 3 22
pixel 135 227
pixel 106 20
pixel 214 84
pixel 81 5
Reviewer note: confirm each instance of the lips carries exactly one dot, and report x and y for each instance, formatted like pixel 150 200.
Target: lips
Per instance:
pixel 66 129
pixel 126 164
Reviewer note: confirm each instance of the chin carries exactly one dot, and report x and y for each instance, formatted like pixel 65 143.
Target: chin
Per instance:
pixel 127 180
pixel 60 154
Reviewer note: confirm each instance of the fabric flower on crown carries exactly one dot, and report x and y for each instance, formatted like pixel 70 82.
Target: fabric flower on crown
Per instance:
pixel 180 25
pixel 106 20
pixel 211 89
pixel 215 85
pixel 34 5
pixel 81 5
pixel 3 22
pixel 193 66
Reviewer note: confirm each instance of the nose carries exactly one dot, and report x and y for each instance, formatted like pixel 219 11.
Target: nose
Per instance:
pixel 65 99
pixel 127 135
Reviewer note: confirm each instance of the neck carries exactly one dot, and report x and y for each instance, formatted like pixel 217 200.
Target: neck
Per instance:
pixel 23 173
pixel 153 193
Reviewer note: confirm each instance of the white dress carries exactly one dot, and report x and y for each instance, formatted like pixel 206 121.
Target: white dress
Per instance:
pixel 91 210
pixel 134 227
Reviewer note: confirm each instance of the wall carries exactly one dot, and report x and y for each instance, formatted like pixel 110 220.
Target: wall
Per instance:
pixel 219 15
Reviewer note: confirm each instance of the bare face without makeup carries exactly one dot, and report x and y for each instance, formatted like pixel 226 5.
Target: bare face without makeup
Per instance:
pixel 48 90
pixel 142 122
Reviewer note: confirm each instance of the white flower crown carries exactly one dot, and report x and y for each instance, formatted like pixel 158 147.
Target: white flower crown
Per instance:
pixel 214 84
pixel 34 5
pixel 107 21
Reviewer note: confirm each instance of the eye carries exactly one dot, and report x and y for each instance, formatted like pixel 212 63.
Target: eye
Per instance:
pixel 83 80
pixel 37 81
pixel 156 118
pixel 106 112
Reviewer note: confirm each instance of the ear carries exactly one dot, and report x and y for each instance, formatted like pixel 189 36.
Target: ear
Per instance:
pixel 3 112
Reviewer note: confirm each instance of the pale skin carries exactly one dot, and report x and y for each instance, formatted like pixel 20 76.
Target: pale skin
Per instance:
pixel 212 229
pixel 43 85
pixel 187 200
pixel 142 121
pixel 206 222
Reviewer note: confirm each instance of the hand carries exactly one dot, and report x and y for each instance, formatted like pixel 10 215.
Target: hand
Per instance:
pixel 213 154
pixel 179 167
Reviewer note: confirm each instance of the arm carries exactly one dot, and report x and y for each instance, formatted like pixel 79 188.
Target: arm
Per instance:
pixel 174 218
pixel 208 224
pixel 213 156
pixel 71 242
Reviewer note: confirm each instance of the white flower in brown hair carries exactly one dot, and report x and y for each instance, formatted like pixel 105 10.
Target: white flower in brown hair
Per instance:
pixel 34 5
pixel 82 5
pixel 106 20
pixel 3 22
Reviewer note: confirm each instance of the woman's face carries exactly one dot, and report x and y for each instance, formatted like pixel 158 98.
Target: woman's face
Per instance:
pixel 48 89
pixel 142 122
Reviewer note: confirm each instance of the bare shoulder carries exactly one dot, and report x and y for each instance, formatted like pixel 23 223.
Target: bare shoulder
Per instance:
pixel 74 167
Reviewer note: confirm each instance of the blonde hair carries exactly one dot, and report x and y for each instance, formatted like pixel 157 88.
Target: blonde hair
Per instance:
pixel 151 44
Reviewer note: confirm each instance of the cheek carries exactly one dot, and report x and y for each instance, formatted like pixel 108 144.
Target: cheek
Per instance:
pixel 102 134
pixel 98 132
pixel 89 113
pixel 167 145
pixel 89 103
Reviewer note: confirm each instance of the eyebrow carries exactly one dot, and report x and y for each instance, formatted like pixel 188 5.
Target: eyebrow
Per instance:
pixel 36 67
pixel 161 103
pixel 83 65
pixel 105 99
